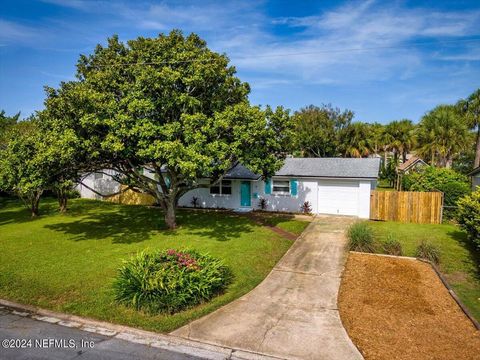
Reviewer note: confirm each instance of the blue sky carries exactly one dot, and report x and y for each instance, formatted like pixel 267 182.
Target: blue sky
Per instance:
pixel 385 60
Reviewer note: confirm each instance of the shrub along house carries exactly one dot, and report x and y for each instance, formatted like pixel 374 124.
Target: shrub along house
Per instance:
pixel 338 186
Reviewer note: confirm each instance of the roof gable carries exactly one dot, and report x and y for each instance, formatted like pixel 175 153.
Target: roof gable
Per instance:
pixel 409 163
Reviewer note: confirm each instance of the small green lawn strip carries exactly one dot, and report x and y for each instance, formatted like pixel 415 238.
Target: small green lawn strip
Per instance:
pixel 67 262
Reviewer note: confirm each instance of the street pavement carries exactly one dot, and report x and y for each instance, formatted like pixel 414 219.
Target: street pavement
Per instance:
pixel 72 343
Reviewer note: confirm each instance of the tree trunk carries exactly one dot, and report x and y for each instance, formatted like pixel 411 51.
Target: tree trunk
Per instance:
pixel 62 203
pixel 34 205
pixel 448 162
pixel 476 163
pixel 170 213
pixel 404 157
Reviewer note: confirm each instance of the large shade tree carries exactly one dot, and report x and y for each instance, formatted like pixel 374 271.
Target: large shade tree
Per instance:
pixel 22 171
pixel 171 106
pixel 470 107
pixel 33 160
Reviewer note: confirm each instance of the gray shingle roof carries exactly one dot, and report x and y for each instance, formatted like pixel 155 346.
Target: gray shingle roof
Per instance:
pixel 331 167
pixel 241 172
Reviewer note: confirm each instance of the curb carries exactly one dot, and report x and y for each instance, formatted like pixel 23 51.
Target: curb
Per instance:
pixel 452 293
pixel 161 341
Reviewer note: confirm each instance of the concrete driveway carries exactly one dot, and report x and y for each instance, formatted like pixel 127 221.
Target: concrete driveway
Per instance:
pixel 293 313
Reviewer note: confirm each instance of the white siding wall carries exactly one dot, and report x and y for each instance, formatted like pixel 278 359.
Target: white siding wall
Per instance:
pixel 106 185
pixel 208 200
pixel 364 199
pixel 307 190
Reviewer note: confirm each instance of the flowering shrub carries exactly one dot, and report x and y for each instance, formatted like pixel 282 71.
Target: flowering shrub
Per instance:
pixel 170 280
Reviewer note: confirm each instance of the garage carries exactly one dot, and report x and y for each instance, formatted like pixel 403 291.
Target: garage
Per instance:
pixel 338 197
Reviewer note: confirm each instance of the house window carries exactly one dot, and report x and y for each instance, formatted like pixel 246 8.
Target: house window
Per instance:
pixel 281 186
pixel 224 187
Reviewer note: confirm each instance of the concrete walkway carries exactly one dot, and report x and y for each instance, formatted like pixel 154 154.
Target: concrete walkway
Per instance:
pixel 293 313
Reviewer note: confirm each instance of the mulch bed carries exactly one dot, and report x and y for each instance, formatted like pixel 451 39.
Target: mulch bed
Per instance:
pixel 399 309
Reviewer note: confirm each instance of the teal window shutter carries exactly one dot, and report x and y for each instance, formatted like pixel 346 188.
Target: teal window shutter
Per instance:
pixel 293 187
pixel 167 181
pixel 268 186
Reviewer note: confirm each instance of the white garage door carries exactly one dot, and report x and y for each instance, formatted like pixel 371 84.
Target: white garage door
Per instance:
pixel 338 197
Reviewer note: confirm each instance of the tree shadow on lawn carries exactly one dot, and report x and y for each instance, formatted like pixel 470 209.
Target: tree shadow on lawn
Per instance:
pixel 474 252
pixel 14 211
pixel 221 226
pixel 132 224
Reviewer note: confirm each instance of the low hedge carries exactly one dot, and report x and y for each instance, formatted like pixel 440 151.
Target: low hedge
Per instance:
pixel 170 280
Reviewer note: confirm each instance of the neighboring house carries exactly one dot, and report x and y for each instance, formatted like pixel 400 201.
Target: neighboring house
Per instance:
pixel 411 165
pixel 475 176
pixel 339 186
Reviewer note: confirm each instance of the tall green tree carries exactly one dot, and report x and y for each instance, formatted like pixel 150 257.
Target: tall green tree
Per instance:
pixel 354 140
pixel 317 130
pixel 5 123
pixel 377 137
pixel 470 108
pixel 441 135
pixel 399 135
pixel 172 106
pixel 22 171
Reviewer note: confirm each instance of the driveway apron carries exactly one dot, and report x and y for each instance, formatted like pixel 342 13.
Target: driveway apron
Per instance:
pixel 293 313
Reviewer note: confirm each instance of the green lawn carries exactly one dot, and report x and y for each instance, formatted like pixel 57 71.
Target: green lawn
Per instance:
pixel 67 262
pixel 459 261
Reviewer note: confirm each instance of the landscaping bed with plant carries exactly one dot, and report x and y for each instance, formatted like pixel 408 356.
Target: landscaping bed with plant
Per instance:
pixel 394 308
pixel 75 262
pixel 444 244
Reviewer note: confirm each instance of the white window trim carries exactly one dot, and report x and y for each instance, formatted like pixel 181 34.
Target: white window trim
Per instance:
pixel 281 192
pixel 220 189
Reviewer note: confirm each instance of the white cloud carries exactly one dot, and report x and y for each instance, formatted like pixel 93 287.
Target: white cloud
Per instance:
pixel 360 41
pixel 11 32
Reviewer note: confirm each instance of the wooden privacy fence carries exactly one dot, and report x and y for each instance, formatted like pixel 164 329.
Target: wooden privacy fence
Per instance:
pixel 130 197
pixel 407 206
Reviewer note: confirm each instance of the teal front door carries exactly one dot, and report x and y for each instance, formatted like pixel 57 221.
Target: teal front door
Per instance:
pixel 245 199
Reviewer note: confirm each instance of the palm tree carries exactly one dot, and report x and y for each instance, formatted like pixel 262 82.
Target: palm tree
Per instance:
pixel 441 135
pixel 376 132
pixel 470 107
pixel 354 140
pixel 400 137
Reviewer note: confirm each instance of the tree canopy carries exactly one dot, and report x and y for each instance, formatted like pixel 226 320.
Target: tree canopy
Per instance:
pixel 470 107
pixel 172 106
pixel 441 135
pixel 317 130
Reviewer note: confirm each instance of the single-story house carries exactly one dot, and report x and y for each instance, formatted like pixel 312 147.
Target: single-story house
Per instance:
pixel 475 176
pixel 339 186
